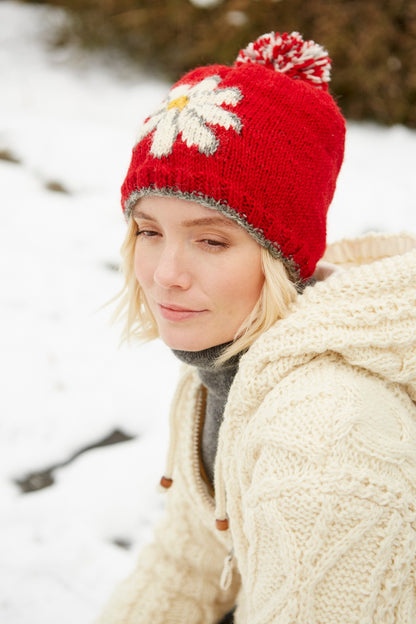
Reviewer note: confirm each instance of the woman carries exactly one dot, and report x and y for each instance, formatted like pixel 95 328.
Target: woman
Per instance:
pixel 291 472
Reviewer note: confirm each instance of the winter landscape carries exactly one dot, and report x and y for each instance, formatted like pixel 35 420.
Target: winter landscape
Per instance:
pixel 83 421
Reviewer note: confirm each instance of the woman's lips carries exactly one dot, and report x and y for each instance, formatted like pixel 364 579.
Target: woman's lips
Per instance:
pixel 177 313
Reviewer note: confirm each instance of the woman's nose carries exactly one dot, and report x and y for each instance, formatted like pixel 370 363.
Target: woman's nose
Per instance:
pixel 172 269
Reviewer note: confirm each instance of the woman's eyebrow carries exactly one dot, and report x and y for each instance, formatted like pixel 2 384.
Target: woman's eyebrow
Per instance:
pixel 214 220
pixel 138 214
pixel 210 221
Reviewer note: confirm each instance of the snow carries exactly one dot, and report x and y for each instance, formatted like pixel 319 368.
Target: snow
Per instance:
pixel 205 4
pixel 70 119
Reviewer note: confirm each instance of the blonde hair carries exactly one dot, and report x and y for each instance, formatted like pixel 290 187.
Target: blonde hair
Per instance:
pixel 277 293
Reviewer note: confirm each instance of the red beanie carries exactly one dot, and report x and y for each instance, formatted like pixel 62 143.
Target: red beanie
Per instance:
pixel 261 141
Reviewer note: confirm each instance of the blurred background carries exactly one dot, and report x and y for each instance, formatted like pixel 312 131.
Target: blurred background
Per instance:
pixel 371 42
pixel 83 421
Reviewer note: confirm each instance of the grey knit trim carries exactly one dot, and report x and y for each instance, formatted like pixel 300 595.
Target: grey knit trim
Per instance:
pixel 207 358
pixel 257 233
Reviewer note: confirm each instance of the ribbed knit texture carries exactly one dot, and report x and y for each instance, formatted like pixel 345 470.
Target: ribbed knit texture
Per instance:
pixel 317 454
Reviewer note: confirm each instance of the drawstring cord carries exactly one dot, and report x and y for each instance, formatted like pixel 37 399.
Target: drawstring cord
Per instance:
pixel 227 571
pixel 222 522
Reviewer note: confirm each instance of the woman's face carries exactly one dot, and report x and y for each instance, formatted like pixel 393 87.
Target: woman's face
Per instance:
pixel 199 271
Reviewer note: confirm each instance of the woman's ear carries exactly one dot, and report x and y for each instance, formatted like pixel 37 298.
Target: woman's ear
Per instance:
pixel 324 270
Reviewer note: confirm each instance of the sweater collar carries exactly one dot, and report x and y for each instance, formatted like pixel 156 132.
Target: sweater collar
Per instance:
pixel 217 379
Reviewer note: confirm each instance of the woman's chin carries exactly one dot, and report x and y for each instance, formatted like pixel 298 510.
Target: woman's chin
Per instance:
pixel 191 343
pixel 184 345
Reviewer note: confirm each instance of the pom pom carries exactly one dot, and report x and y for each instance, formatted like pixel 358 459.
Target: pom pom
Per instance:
pixel 290 55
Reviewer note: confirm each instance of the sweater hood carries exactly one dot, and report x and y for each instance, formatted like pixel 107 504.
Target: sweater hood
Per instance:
pixel 365 311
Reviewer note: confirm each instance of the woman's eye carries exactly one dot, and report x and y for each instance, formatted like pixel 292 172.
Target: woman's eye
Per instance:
pixel 214 243
pixel 146 233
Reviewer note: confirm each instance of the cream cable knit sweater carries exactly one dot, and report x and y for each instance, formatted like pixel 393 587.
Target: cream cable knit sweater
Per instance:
pixel 316 466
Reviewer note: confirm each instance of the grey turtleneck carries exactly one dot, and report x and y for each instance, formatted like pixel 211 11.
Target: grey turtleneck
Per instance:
pixel 217 380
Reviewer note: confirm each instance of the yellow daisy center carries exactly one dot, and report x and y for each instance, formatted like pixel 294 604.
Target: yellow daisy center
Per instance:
pixel 179 102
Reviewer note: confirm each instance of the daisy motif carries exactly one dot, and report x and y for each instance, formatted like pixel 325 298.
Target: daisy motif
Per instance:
pixel 186 111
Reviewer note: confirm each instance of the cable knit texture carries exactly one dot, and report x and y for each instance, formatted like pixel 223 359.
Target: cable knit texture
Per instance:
pixel 316 466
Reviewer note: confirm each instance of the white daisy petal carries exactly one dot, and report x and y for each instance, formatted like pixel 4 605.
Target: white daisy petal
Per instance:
pixel 205 86
pixel 148 126
pixel 195 132
pixel 166 133
pixel 230 96
pixel 179 91
pixel 210 98
pixel 217 116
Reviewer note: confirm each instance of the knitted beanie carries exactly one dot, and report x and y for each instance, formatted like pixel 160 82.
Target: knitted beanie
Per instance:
pixel 261 141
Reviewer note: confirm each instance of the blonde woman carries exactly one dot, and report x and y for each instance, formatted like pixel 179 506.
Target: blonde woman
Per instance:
pixel 291 472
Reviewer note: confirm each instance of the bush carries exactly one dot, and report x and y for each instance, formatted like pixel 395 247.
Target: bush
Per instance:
pixel 372 42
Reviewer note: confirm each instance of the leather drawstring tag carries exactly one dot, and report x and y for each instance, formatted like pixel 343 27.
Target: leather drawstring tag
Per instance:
pixel 165 482
pixel 227 571
pixel 222 525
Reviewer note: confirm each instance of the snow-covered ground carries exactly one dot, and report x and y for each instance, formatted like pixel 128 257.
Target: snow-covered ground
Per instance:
pixel 68 121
